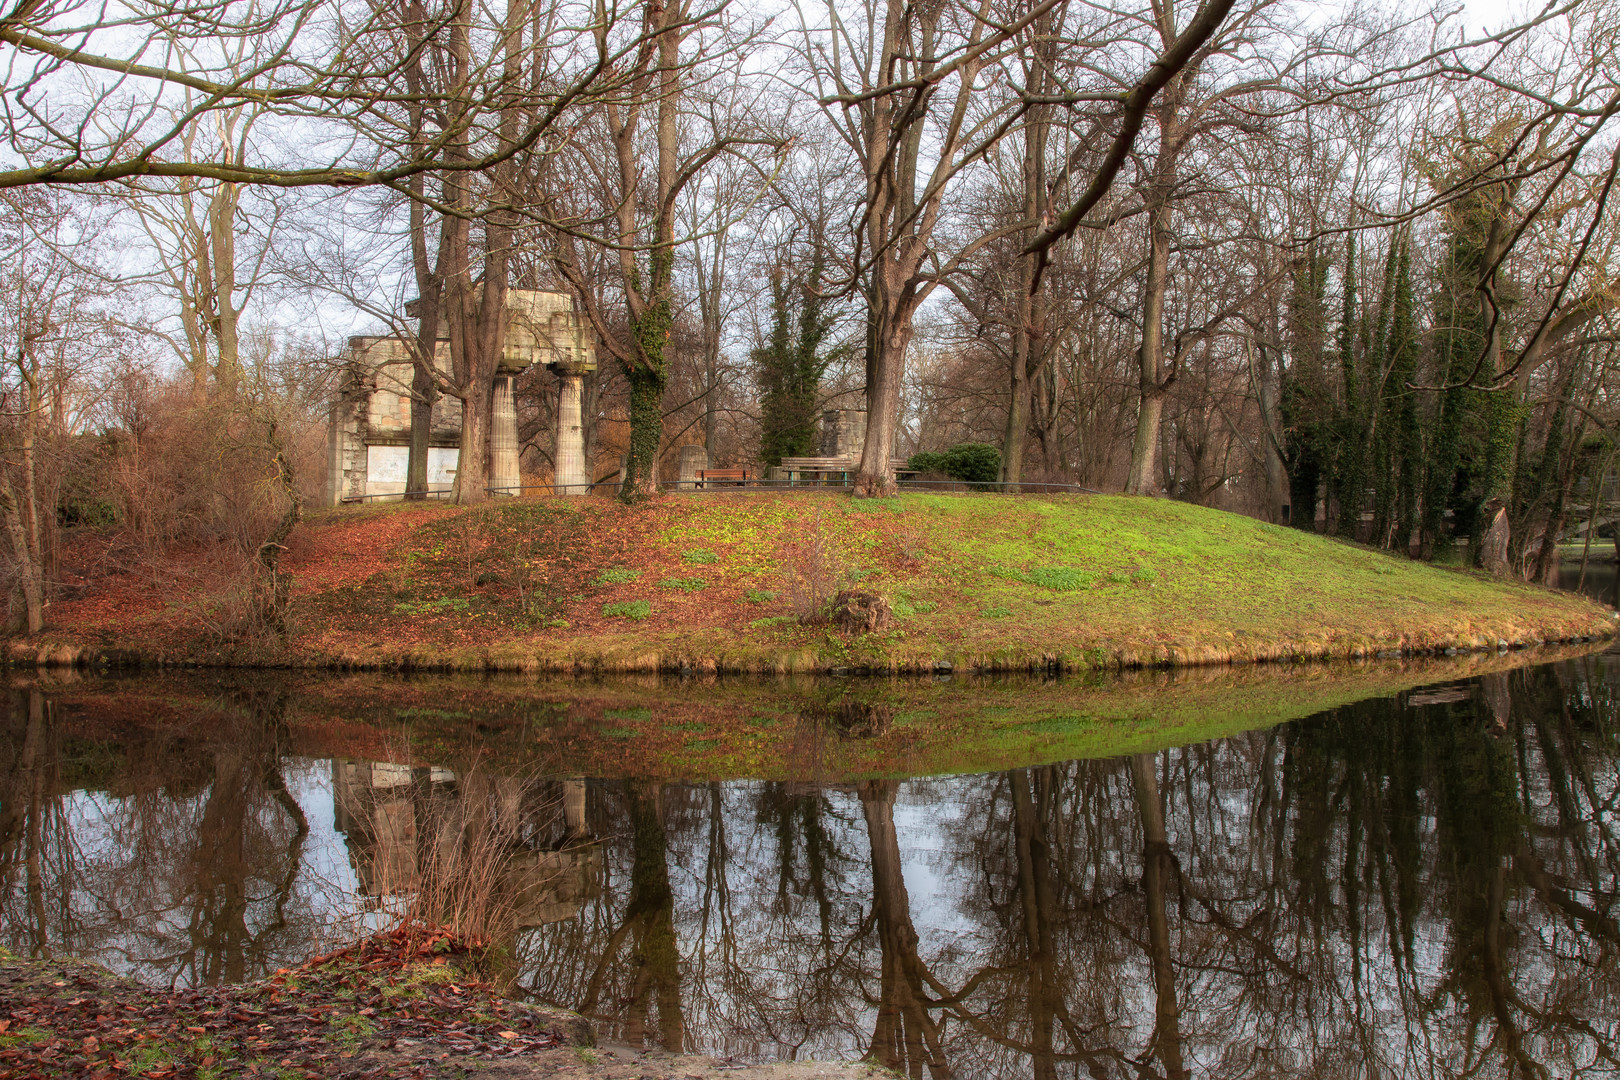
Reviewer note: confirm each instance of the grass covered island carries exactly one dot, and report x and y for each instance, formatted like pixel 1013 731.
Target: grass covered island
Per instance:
pixel 743 582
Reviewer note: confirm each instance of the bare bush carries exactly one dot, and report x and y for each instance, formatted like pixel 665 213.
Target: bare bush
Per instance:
pixel 475 866
pixel 816 569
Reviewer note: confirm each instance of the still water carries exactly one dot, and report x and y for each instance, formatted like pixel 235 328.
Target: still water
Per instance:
pixel 1422 884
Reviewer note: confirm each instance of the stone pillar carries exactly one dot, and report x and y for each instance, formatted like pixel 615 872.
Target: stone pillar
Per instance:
pixel 693 458
pixel 571 475
pixel 503 440
pixel 574 809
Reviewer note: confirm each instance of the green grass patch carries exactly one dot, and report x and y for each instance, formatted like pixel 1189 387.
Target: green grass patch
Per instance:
pixel 997 611
pixel 639 716
pixel 771 620
pixel 759 596
pixel 616 575
pixel 628 609
pixel 684 584
pixel 906 607
pixel 699 556
pixel 1056 578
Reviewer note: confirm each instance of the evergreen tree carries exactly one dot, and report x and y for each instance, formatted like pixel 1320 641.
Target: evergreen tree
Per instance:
pixel 790 364
pixel 1351 421
pixel 1305 403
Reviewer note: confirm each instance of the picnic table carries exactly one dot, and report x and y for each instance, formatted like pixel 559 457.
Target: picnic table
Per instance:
pixel 827 470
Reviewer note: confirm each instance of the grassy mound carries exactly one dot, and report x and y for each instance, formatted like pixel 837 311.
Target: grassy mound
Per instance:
pixel 725 582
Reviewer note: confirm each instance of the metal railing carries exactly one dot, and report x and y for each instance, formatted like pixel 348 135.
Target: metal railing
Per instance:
pixel 697 487
pixel 430 493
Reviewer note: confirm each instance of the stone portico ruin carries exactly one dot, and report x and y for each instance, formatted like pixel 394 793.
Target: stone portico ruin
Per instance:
pixel 370 430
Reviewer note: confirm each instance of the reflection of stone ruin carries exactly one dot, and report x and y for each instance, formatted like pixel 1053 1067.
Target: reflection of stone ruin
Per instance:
pixel 370 433
pixel 401 821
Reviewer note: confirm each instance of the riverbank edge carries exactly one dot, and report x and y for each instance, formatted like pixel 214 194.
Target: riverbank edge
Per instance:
pixel 854 656
pixel 151 1046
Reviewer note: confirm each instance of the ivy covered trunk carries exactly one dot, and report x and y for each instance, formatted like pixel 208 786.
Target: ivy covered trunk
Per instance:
pixel 646 430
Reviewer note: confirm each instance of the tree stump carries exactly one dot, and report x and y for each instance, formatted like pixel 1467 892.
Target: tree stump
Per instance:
pixel 856 611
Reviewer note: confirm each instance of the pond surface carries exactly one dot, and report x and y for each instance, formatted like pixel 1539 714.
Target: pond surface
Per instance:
pixel 1418 884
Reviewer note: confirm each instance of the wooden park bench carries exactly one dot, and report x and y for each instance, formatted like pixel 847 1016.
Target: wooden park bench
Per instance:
pixel 717 477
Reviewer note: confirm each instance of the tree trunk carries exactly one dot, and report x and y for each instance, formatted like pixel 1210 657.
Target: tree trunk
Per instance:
pixel 1153 380
pixel 28 567
pixel 1278 495
pixel 1028 352
pixel 874 477
pixel 1157 868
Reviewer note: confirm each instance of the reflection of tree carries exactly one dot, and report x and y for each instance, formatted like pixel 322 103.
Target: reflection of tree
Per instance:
pixel 171 851
pixel 221 938
pixel 25 803
pixel 648 923
pixel 905 1035
pixel 1158 867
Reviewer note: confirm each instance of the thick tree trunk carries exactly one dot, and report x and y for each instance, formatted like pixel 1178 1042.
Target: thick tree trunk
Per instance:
pixel 646 432
pixel 1152 383
pixel 1145 446
pixel 27 558
pixel 874 477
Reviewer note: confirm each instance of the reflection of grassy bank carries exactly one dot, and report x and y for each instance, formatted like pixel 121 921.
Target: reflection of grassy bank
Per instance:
pixel 977 582
pixel 785 728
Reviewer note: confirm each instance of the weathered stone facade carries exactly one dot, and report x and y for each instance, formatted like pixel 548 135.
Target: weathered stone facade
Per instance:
pixel 370 429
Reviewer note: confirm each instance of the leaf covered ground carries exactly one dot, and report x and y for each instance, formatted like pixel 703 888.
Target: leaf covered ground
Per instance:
pixel 402 1004
pixel 724 581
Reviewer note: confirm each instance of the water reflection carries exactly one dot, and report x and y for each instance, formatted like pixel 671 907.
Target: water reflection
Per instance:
pixel 1416 886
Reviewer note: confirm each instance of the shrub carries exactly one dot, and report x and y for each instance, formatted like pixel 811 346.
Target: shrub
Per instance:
pixel 817 569
pixel 628 609
pixel 978 464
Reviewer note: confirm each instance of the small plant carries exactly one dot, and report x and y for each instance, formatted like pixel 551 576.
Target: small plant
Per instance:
pixel 616 575
pixel 432 607
pixel 640 716
pixel 771 620
pixel 1000 611
pixel 1144 576
pixel 699 556
pixel 628 609
pixel 905 607
pixel 684 584
pixel 1117 578
pixel 759 596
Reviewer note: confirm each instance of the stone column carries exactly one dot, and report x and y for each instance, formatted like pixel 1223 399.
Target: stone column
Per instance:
pixel 574 809
pixel 503 440
pixel 693 458
pixel 571 475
